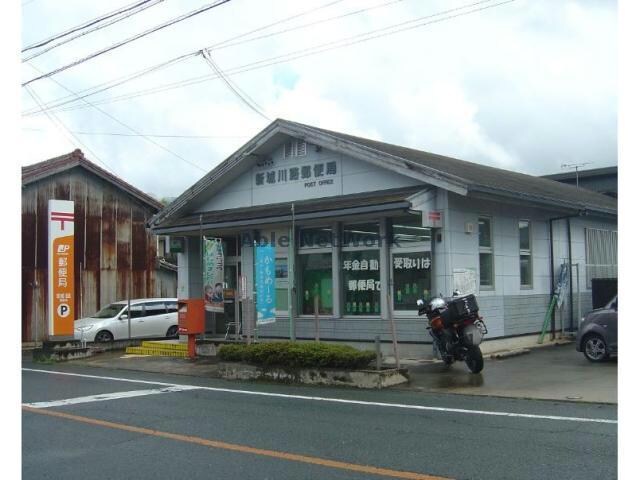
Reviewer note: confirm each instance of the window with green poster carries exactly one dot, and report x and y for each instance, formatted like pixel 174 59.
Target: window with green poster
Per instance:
pixel 410 262
pixel 361 282
pixel 282 286
pixel 315 279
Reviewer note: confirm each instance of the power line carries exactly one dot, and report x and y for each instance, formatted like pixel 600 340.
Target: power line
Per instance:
pixel 117 134
pixel 237 91
pixel 120 80
pixel 127 126
pixel 295 55
pixel 143 6
pixel 88 23
pixel 51 117
pixel 130 39
pixel 282 20
pixel 228 43
pixel 61 101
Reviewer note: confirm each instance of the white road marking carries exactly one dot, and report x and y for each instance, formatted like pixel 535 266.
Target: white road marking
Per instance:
pixel 345 401
pixel 109 396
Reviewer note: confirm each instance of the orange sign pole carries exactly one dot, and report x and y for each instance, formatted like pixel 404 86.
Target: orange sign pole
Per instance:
pixel 61 271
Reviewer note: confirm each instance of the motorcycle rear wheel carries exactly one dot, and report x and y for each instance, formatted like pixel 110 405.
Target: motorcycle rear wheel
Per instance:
pixel 474 359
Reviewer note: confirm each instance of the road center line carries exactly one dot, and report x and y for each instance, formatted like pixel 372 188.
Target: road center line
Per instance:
pixel 108 396
pixel 293 457
pixel 346 401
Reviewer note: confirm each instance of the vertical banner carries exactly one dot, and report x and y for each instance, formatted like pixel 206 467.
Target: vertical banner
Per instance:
pixel 61 288
pixel 265 284
pixel 213 274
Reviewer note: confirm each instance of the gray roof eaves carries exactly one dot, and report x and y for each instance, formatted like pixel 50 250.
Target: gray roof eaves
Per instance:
pixel 544 200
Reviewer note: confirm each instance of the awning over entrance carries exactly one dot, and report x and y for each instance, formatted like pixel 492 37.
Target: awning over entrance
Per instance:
pixel 331 207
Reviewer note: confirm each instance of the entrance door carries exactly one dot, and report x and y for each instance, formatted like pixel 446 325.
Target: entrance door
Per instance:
pixel 230 293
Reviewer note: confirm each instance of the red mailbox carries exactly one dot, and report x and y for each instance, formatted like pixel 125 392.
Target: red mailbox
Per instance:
pixel 191 316
pixel 191 321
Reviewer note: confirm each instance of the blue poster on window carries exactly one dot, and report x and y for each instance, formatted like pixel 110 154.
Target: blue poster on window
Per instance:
pixel 265 284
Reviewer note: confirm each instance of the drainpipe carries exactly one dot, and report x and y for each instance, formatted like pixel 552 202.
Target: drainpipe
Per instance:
pixel 553 280
pixel 568 218
pixel 570 276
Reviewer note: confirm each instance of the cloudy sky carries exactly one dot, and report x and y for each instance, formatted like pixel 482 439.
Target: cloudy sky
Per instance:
pixel 524 85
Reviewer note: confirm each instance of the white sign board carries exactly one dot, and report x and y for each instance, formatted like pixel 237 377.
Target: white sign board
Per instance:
pixel 432 218
pixel 465 280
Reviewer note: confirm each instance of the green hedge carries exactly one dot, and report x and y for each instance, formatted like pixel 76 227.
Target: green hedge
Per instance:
pixel 297 354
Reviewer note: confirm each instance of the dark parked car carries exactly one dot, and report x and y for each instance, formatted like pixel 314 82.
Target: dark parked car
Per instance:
pixel 597 334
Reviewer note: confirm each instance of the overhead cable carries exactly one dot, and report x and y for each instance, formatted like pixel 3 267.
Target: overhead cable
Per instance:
pixel 306 52
pixel 150 140
pixel 60 124
pixel 55 104
pixel 118 134
pixel 121 80
pixel 237 91
pixel 88 23
pixel 130 39
pixel 117 19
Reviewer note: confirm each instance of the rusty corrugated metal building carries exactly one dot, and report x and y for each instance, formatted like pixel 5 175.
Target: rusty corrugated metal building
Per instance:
pixel 115 251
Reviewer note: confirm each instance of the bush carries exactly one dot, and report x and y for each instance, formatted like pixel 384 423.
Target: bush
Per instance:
pixel 295 354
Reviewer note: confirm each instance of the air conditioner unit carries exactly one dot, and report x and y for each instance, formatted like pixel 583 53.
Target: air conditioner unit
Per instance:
pixel 469 227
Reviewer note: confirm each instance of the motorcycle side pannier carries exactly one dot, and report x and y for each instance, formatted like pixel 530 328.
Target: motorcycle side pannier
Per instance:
pixel 462 306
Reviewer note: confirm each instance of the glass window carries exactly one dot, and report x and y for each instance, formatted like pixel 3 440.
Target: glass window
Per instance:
pixel 282 285
pixel 484 232
pixel 230 246
pixel 109 311
pixel 526 278
pixel 282 269
pixel 172 307
pixel 136 311
pixel 525 238
pixel 409 231
pixel 486 269
pixel 485 248
pixel 155 308
pixel 411 279
pixel 525 270
pixel 361 235
pixel 316 280
pixel 361 282
pixel 315 237
pixel 282 300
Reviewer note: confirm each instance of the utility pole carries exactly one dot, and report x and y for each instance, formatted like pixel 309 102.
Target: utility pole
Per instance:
pixel 576 166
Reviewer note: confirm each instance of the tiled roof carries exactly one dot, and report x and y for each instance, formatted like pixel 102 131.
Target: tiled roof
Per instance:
pixel 450 173
pixel 477 176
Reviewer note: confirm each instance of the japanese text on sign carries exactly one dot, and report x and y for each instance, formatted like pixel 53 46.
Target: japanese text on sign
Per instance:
pixel 363 264
pixel 312 174
pixel 363 285
pixel 406 263
pixel 265 284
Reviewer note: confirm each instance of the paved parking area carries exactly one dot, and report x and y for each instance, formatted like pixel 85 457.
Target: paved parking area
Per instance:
pixel 549 373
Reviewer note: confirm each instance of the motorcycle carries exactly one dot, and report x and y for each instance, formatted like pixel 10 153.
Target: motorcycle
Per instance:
pixel 456 328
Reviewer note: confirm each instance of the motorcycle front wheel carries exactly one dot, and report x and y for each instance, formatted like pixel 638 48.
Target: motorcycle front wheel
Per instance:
pixel 474 359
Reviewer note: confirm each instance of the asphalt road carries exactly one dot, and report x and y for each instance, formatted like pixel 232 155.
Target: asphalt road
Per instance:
pixel 161 426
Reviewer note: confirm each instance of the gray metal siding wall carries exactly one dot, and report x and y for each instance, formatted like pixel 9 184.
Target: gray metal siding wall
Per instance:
pixel 504 316
pixel 524 314
pixel 361 329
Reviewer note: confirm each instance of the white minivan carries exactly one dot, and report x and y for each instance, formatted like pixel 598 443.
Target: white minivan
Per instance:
pixel 149 317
